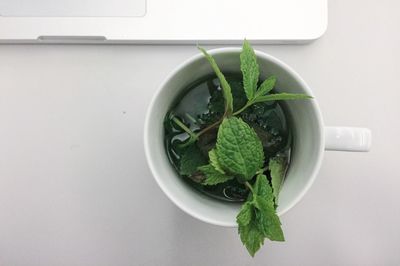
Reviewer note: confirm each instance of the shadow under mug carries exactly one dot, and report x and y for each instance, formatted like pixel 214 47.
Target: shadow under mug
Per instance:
pixel 310 136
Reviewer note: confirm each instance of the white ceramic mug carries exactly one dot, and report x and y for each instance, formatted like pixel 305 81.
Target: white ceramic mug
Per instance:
pixel 311 137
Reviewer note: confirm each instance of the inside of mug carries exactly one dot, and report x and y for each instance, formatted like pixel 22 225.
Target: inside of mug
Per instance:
pixel 304 119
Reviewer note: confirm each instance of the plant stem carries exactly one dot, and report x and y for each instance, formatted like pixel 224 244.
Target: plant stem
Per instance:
pixel 214 124
pixel 191 118
pixel 187 143
pixel 248 185
pixel 209 127
pixel 262 170
pixel 248 104
pixel 185 128
pixel 193 136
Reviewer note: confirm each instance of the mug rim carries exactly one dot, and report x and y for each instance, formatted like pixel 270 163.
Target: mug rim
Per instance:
pixel 259 54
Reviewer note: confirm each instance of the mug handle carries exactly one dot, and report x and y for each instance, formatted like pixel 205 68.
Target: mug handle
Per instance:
pixel 347 139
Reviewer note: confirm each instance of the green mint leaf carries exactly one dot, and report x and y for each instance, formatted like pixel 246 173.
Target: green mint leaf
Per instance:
pixel 281 96
pixel 246 214
pixel 257 218
pixel 251 237
pixel 192 158
pixel 262 189
pixel 265 215
pixel 213 177
pixel 226 88
pixel 277 166
pixel 249 68
pixel 267 220
pixel 266 86
pixel 214 161
pixel 239 149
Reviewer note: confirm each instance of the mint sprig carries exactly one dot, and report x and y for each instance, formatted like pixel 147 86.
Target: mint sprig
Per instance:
pixel 239 154
pixel 249 68
pixel 257 218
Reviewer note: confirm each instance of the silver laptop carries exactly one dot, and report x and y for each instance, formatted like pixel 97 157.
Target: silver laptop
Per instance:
pixel 162 21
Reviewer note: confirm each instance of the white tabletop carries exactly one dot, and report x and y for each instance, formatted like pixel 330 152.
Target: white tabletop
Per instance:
pixel 75 188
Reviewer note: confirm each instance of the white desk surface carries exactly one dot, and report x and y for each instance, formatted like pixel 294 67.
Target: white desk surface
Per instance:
pixel 75 188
